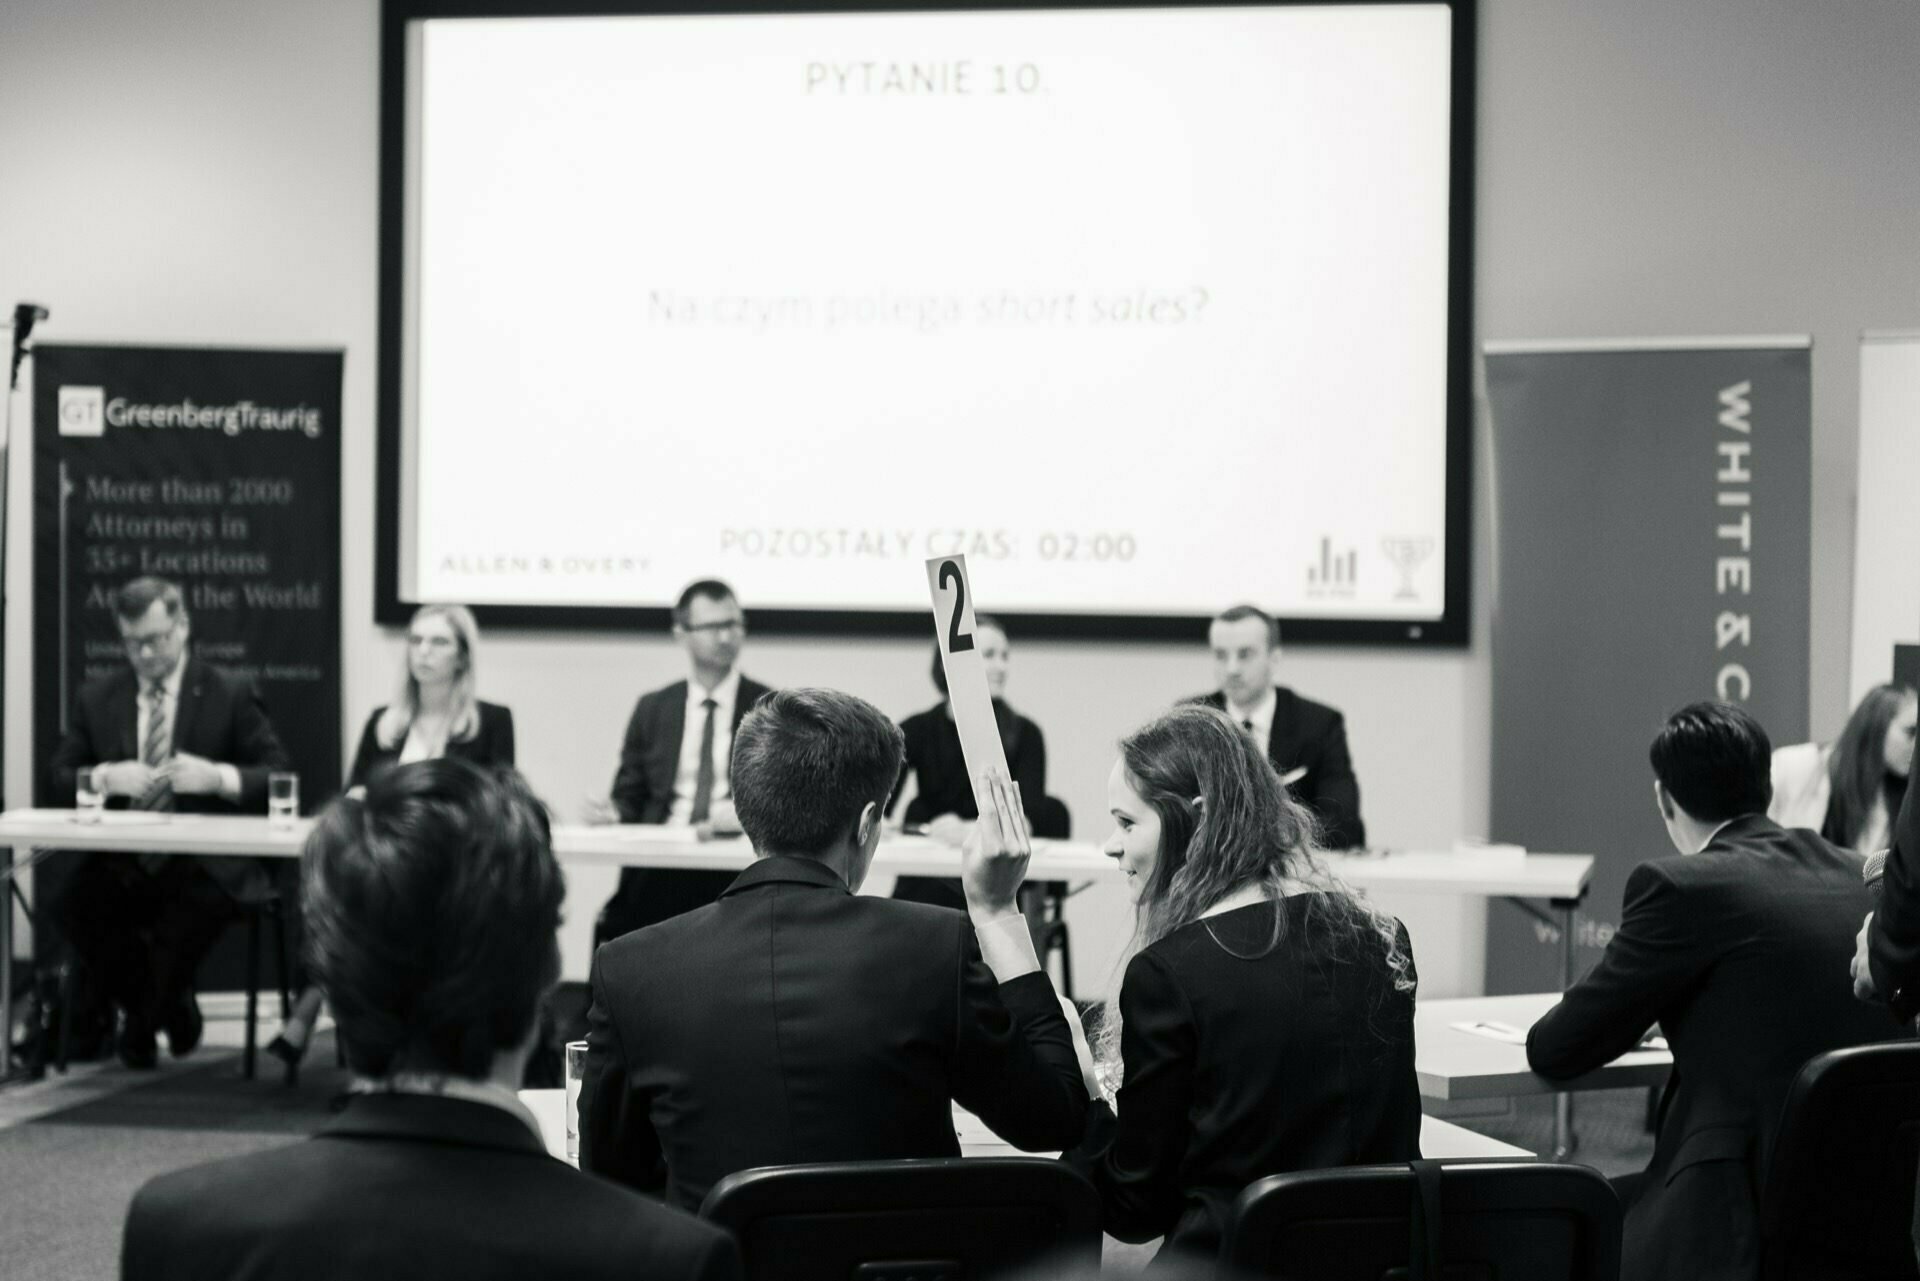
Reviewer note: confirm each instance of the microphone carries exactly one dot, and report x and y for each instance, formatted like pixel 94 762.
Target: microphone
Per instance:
pixel 25 316
pixel 1874 873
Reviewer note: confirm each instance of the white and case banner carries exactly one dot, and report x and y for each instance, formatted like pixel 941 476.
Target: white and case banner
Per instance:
pixel 1652 545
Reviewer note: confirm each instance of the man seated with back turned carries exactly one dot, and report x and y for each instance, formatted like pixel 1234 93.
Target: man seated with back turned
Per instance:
pixel 796 1021
pixel 1738 950
pixel 431 908
pixel 1305 740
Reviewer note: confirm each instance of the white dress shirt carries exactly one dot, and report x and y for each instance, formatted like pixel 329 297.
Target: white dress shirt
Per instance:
pixel 687 776
pixel 1261 714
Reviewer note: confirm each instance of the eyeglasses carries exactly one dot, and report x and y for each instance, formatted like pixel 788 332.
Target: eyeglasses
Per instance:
pixel 151 644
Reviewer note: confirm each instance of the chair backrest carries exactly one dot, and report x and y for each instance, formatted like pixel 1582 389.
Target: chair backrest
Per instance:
pixel 941 1220
pixel 1838 1200
pixel 1498 1220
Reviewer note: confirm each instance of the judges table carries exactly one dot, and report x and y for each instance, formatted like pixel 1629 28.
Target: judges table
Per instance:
pixel 1439 1140
pixel 1560 879
pixel 1475 1048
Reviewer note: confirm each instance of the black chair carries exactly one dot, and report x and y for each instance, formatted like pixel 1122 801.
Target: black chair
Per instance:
pixel 1838 1201
pixel 1054 821
pixel 944 1220
pixel 1429 1221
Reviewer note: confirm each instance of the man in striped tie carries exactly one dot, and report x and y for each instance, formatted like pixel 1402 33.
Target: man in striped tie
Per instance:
pixel 167 732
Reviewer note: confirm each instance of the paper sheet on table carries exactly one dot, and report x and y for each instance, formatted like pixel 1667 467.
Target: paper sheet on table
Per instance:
pixel 1494 1030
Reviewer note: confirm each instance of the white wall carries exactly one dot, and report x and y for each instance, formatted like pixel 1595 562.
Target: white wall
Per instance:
pixel 204 171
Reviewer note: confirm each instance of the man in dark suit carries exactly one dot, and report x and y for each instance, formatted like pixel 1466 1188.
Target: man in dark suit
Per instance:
pixel 794 1020
pixel 431 908
pixel 168 732
pixel 1305 740
pixel 1735 950
pixel 674 764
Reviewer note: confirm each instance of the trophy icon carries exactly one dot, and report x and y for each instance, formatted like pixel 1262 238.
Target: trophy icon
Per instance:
pixel 1406 555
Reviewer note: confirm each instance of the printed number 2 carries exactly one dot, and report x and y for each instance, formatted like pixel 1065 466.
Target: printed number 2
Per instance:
pixel 950 576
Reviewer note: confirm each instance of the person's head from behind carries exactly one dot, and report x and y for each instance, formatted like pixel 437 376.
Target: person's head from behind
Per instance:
pixel 709 623
pixel 154 628
pixel 1712 762
pixel 431 912
pixel 990 641
pixel 1198 813
pixel 1871 759
pixel 1246 644
pixel 811 770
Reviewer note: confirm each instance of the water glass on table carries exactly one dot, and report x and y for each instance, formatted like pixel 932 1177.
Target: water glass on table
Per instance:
pixel 576 1072
pixel 88 800
pixel 283 799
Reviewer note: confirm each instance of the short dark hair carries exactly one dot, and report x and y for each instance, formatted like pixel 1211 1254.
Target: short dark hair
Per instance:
pixel 1715 761
pixel 940 668
pixel 132 600
pixel 431 912
pixel 1237 613
pixel 806 762
pixel 705 589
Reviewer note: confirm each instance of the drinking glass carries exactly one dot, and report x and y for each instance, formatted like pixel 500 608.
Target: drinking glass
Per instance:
pixel 283 799
pixel 88 800
pixel 576 1072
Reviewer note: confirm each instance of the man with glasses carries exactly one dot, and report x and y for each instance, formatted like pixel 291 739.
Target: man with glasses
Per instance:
pixel 166 732
pixel 675 762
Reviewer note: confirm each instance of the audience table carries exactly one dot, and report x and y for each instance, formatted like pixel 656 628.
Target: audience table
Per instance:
pixel 1455 1063
pixel 1439 1140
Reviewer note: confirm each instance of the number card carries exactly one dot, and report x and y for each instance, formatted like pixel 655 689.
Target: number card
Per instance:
pixel 966 675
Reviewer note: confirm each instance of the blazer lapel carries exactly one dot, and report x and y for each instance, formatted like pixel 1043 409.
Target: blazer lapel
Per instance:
pixel 126 714
pixel 1282 746
pixel 189 705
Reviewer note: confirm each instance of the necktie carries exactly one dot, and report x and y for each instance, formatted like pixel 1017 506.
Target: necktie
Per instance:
pixel 703 780
pixel 157 748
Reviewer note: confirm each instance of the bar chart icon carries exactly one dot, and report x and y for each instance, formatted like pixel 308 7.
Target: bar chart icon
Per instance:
pixel 1336 571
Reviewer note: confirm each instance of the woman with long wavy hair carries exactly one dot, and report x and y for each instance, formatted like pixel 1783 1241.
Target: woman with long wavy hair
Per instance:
pixel 1849 790
pixel 1263 1019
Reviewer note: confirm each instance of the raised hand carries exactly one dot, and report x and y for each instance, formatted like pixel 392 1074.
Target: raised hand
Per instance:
pixel 993 862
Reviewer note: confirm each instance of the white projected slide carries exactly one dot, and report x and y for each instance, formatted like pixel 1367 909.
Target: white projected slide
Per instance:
pixel 1145 311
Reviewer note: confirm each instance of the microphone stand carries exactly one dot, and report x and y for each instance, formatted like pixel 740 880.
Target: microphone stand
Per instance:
pixel 25 316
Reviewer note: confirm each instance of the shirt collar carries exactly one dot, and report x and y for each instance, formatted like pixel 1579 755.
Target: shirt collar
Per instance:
pixel 1261 713
pixel 433 1085
pixel 170 682
pixel 724 695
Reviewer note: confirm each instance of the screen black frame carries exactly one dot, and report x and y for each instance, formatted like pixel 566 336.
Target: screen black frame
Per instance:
pixel 1451 630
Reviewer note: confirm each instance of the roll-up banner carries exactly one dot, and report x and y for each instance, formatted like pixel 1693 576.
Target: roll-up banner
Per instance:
pixel 1886 582
pixel 1652 534
pixel 218 468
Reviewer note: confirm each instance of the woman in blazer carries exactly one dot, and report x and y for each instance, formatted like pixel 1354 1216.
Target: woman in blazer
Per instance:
pixel 433 713
pixel 1263 1021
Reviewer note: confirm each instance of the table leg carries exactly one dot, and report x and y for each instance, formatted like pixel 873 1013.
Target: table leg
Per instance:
pixel 1563 1137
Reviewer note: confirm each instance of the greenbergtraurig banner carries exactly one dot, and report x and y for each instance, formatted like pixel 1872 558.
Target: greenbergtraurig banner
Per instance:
pixel 1652 534
pixel 216 468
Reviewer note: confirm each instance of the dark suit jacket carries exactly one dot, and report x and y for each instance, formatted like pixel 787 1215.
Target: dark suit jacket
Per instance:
pixel 643 793
pixel 411 1188
pixel 219 716
pixel 1893 943
pixel 650 756
pixel 1242 1062
pixel 491 744
pixel 1314 736
pixel 795 1021
pixel 1740 954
